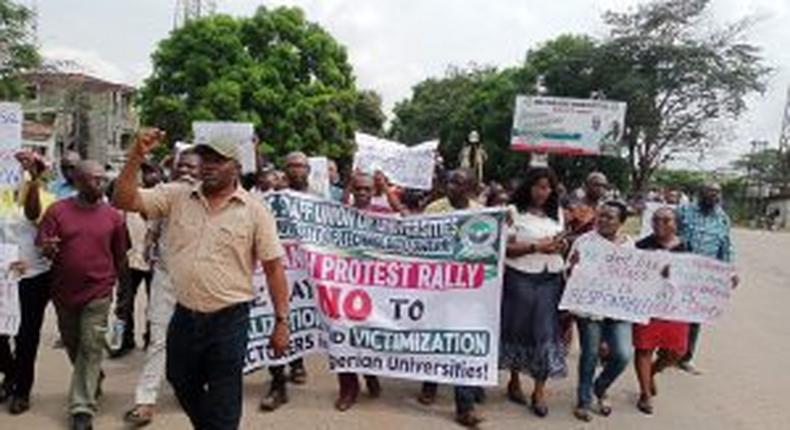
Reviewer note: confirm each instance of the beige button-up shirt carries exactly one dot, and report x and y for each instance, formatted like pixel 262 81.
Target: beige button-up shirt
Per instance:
pixel 211 254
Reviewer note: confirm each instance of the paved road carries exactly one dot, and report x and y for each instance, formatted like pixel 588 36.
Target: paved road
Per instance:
pixel 745 358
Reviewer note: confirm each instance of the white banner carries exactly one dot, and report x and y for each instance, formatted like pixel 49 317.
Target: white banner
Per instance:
pixel 408 167
pixel 415 298
pixel 566 125
pixel 305 322
pixel 628 284
pixel 241 132
pixel 10 316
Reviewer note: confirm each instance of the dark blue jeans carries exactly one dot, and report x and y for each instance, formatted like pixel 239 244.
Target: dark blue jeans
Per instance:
pixel 205 359
pixel 617 334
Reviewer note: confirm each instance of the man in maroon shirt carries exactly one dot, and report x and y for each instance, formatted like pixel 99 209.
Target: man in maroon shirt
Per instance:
pixel 86 240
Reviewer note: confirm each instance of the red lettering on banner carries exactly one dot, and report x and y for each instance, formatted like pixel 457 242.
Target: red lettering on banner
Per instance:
pixel 356 304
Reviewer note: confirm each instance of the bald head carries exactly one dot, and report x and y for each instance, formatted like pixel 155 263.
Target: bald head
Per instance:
pixel 90 180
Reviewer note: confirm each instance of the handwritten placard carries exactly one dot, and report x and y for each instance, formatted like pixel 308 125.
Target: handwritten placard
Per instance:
pixel 10 315
pixel 636 285
pixel 408 167
pixel 697 290
pixel 614 281
pixel 10 143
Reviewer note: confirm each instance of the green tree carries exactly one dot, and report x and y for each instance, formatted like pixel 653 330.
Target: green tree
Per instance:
pixel 767 165
pixel 368 113
pixel 484 99
pixel 18 53
pixel 679 79
pixel 286 75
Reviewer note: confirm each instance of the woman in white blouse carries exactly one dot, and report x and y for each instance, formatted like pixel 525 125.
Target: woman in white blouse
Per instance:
pixel 530 338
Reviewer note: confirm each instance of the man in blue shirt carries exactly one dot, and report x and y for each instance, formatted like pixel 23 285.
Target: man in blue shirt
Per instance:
pixel 705 228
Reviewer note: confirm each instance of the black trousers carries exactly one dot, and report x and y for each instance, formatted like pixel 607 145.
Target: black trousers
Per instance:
pixel 19 366
pixel 125 297
pixel 205 360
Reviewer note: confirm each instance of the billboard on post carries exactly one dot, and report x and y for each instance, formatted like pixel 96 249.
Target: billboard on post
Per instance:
pixel 567 126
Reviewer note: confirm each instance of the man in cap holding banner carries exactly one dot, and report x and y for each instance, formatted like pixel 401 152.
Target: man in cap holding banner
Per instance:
pixel 216 232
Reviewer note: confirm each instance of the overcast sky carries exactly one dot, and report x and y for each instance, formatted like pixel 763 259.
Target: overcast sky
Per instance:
pixel 393 44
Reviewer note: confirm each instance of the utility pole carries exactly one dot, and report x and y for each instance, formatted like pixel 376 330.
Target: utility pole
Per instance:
pixel 189 10
pixel 784 144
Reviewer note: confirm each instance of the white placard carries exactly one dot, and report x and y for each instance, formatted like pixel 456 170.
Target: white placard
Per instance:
pixel 10 143
pixel 10 315
pixel 319 176
pixel 408 167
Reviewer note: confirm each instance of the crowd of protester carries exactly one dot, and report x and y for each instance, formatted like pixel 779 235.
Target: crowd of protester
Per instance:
pixel 192 229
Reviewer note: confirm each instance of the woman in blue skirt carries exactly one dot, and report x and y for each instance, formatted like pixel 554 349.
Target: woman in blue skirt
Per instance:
pixel 531 340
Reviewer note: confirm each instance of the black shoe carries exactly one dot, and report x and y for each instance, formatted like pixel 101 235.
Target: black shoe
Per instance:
pixel 276 398
pixel 19 405
pixel 81 421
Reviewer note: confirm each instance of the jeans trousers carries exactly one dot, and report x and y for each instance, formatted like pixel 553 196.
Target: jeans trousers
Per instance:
pixel 617 335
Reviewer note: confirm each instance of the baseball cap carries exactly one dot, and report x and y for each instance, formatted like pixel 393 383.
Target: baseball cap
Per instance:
pixel 225 146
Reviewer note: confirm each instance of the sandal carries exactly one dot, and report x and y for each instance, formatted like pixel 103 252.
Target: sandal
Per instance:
pixel 644 405
pixel 138 419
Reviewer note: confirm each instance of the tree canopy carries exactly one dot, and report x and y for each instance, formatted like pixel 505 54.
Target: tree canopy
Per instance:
pixel 18 53
pixel 287 76
pixel 680 78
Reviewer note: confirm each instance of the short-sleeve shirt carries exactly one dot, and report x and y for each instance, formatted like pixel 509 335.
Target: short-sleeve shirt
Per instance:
pixel 92 240
pixel 211 253
pixel 16 228
pixel 706 234
pixel 531 228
